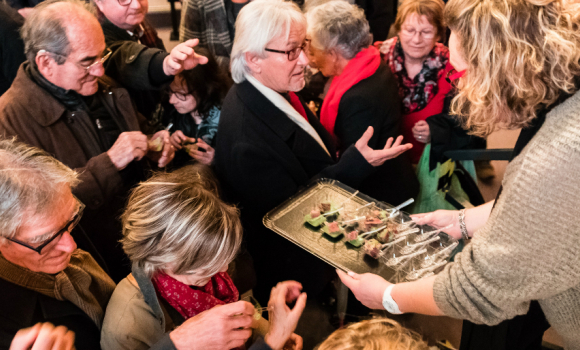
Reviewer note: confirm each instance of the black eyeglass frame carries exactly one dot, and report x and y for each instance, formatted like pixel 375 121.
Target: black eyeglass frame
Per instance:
pixel 67 228
pixel 180 96
pixel 297 50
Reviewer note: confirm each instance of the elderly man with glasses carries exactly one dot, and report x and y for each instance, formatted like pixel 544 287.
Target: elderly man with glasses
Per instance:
pixel 43 276
pixel 139 61
pixel 61 102
pixel 269 144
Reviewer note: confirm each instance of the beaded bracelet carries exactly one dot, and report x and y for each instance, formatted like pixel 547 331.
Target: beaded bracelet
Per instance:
pixel 462 225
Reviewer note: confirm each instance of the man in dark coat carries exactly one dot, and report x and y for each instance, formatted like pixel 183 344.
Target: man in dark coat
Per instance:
pixel 269 145
pixel 139 61
pixel 43 277
pixel 61 102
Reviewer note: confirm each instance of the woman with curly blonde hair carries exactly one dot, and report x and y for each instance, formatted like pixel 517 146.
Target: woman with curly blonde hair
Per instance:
pixel 522 63
pixel 374 334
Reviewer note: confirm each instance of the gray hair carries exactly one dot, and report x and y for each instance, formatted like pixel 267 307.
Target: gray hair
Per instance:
pixel 258 23
pixel 339 25
pixel 29 179
pixel 46 28
pixel 176 222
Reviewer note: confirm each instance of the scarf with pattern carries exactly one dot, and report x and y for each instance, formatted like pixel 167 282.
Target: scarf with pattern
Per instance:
pixel 415 93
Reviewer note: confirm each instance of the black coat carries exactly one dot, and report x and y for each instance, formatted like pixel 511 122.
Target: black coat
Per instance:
pixel 374 102
pixel 262 158
pixel 11 45
pixel 23 308
pixel 136 67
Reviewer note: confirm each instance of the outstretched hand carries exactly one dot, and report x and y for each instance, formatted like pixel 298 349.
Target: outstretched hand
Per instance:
pixel 378 157
pixel 368 288
pixel 183 57
pixel 283 320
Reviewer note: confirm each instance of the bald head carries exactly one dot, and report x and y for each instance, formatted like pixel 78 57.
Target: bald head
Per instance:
pixel 55 26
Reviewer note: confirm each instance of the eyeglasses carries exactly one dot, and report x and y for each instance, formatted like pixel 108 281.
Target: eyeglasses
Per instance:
pixel 295 52
pixel 87 68
pixel 37 247
pixel 411 33
pixel 99 61
pixel 124 2
pixel 180 96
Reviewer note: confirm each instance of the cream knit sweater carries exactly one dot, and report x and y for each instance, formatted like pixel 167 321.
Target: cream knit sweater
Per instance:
pixel 529 249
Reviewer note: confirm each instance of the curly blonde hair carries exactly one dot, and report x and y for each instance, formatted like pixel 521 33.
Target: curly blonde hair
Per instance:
pixel 521 54
pixel 374 334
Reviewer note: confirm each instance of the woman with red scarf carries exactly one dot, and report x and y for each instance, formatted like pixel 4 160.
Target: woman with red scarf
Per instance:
pixel 420 65
pixel 181 239
pixel 363 93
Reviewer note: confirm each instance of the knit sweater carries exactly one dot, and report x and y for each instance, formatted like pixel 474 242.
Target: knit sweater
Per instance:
pixel 529 249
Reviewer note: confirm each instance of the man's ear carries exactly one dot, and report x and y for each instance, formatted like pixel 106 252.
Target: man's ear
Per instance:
pixel 254 62
pixel 44 62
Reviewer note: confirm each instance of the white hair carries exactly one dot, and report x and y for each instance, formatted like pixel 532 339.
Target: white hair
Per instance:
pixel 340 26
pixel 258 23
pixel 29 184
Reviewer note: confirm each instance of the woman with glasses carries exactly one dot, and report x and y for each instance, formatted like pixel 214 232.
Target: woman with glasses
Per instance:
pixel 196 97
pixel 420 65
pixel 363 93
pixel 424 77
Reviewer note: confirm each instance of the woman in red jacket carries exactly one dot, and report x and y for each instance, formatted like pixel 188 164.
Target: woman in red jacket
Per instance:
pixel 421 66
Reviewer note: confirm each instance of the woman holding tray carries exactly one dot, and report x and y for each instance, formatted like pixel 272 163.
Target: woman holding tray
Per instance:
pixel 522 66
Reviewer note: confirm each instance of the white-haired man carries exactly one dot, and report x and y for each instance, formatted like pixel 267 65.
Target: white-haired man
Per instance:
pixel 61 102
pixel 269 144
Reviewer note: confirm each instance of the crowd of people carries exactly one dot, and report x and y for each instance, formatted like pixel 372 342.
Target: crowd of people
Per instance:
pixel 133 180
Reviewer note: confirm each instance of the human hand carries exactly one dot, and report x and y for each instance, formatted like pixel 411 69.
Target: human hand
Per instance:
pixel 178 138
pixel 182 57
pixel 128 147
pixel 368 288
pixel 378 157
pixel 203 157
pixel 166 154
pixel 294 343
pixel 283 320
pixel 440 219
pixel 219 328
pixel 421 131
pixel 44 336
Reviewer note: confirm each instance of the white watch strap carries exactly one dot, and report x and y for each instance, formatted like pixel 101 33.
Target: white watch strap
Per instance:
pixel 389 303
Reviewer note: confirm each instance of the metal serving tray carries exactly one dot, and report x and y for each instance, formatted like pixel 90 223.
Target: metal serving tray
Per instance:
pixel 288 221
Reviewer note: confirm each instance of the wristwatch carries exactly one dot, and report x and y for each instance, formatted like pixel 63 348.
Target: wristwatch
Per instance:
pixel 389 303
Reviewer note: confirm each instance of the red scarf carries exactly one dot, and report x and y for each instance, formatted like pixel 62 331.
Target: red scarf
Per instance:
pixel 220 290
pixel 362 66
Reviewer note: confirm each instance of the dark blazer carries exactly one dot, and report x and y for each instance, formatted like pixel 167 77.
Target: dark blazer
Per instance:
pixel 136 67
pixel 262 158
pixel 374 102
pixel 22 308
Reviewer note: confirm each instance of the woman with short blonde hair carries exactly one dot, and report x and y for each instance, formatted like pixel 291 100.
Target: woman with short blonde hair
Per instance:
pixel 522 63
pixel 181 239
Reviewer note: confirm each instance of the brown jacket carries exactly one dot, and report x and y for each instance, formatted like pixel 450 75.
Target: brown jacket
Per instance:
pixel 35 117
